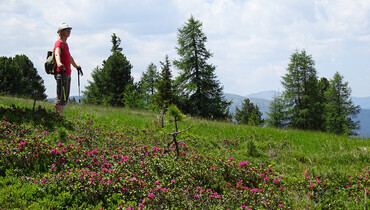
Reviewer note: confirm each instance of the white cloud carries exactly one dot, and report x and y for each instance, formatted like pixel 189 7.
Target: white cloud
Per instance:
pixel 251 40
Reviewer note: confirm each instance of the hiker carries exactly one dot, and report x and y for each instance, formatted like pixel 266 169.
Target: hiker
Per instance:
pixel 63 60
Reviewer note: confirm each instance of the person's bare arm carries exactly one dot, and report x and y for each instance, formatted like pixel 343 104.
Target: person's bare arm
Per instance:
pixel 74 63
pixel 58 59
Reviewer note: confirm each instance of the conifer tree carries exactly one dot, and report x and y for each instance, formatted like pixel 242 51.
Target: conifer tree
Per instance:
pixel 301 92
pixel 248 114
pixel 149 79
pixel 18 76
pixel 277 115
pixel 339 108
pixel 201 94
pixel 165 94
pixel 109 82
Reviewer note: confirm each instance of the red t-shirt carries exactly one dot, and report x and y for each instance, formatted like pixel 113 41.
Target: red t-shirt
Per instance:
pixel 65 56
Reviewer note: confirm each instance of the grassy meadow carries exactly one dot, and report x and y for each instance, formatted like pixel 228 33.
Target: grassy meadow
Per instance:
pixel 117 158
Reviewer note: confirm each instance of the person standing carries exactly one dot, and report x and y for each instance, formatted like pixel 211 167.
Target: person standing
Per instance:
pixel 63 60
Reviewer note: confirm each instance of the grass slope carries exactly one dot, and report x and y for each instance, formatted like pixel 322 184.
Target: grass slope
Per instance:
pixel 118 158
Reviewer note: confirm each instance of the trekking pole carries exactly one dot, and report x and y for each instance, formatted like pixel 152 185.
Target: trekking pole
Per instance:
pixel 64 91
pixel 79 71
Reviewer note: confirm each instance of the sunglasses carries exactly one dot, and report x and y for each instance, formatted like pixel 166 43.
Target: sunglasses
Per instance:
pixel 68 29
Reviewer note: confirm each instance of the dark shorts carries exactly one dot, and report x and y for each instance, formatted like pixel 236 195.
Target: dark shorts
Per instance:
pixel 63 87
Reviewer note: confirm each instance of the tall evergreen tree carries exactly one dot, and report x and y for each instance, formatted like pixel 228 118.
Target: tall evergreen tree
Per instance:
pixel 339 108
pixel 149 79
pixel 148 88
pixel 201 93
pixel 323 86
pixel 301 92
pixel 248 114
pixel 109 82
pixel 165 94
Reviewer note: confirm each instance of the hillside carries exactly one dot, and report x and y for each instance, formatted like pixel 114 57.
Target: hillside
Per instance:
pixel 116 158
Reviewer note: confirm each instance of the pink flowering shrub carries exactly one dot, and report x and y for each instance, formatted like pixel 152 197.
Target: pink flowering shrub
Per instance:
pixel 128 169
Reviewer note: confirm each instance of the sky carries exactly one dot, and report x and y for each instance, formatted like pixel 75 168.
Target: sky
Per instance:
pixel 251 40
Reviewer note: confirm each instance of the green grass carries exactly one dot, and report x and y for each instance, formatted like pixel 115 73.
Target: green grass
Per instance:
pixel 293 154
pixel 306 149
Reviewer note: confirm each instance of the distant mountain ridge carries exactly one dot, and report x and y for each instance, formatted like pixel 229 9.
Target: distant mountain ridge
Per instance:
pixel 263 99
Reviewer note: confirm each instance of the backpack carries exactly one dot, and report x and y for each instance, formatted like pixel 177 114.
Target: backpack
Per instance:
pixel 50 63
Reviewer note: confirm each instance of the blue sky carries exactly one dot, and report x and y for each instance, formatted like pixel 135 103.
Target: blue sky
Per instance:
pixel 251 40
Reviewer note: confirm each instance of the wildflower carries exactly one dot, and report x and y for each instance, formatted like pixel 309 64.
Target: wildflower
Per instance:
pixel 141 206
pixel 196 196
pixel 156 182
pixel 312 185
pixel 281 205
pixel 243 207
pixel 243 163
pixel 185 191
pixel 213 168
pixel 174 181
pixel 150 195
pixel 231 158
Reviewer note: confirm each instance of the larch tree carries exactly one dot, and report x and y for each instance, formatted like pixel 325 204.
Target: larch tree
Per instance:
pixel 340 111
pixel 201 93
pixel 301 92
